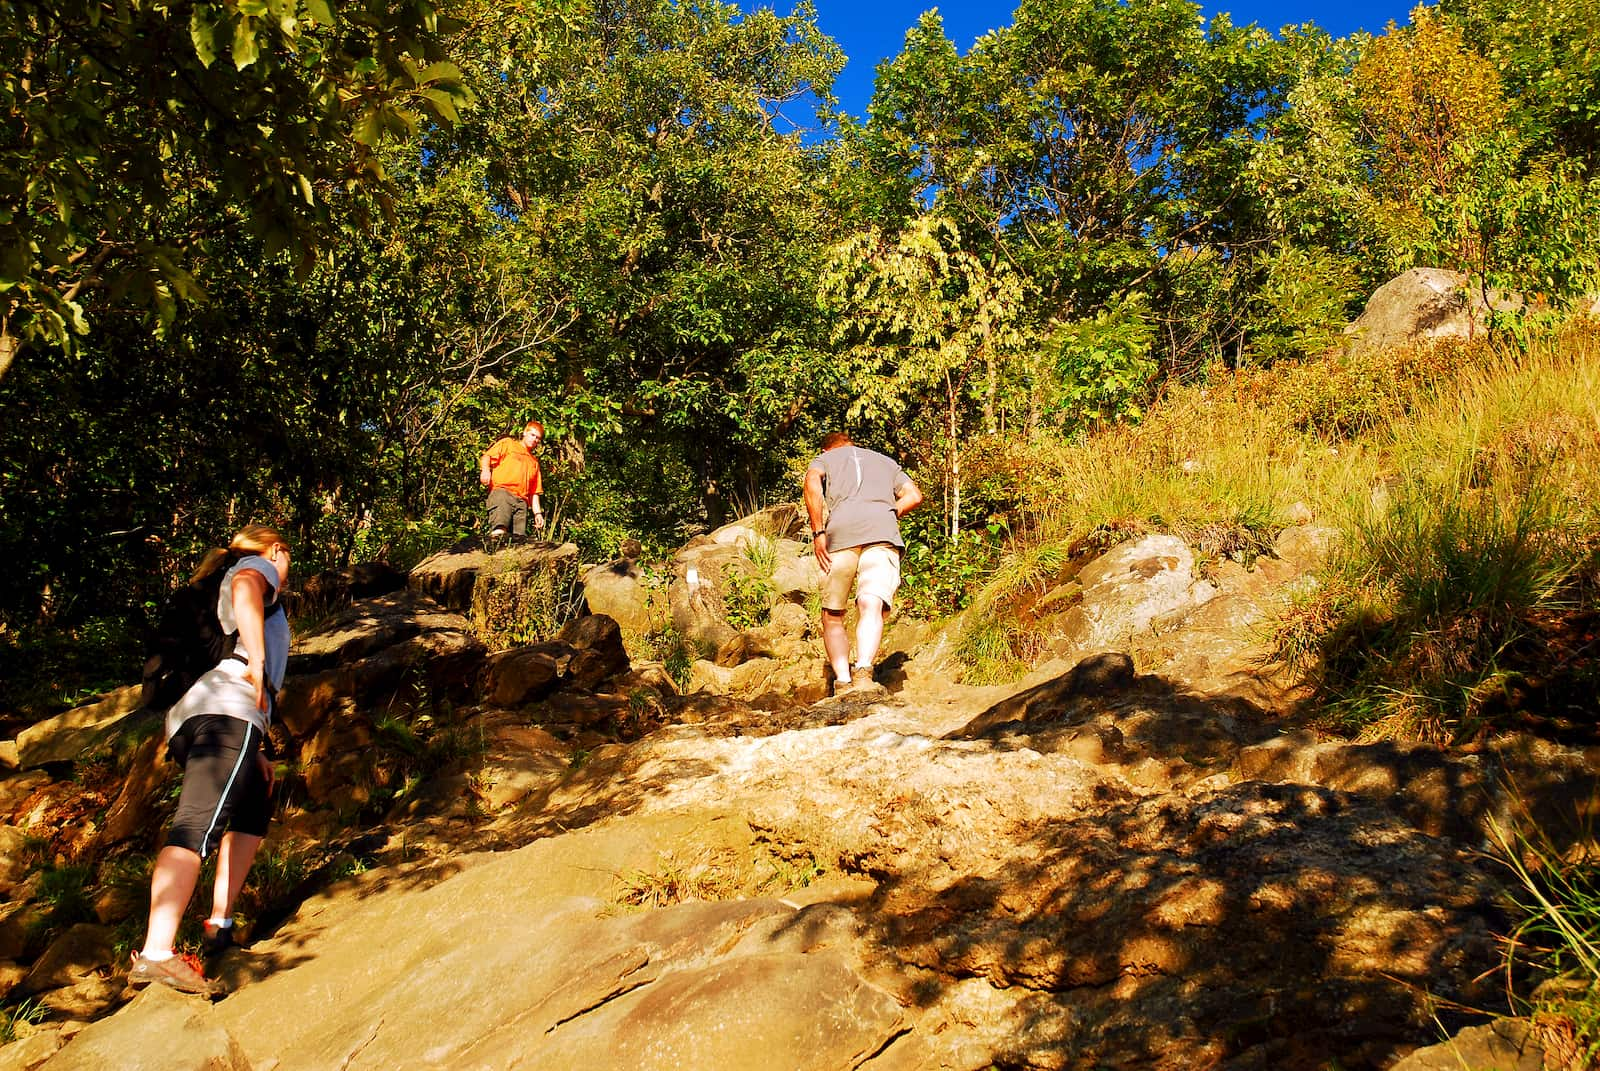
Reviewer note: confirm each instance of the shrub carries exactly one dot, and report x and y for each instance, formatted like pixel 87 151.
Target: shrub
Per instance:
pixel 747 589
pixel 939 575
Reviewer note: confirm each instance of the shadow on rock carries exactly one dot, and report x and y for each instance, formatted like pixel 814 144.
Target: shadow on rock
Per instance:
pixel 1262 926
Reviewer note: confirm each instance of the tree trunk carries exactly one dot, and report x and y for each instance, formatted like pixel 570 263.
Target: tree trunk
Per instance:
pixel 8 347
pixel 990 388
pixel 954 463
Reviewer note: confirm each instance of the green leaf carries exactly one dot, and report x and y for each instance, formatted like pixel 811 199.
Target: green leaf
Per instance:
pixel 321 11
pixel 203 32
pixel 443 104
pixel 443 71
pixel 244 44
pixel 368 128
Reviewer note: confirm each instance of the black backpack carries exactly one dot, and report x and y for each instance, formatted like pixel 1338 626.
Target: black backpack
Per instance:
pixel 189 639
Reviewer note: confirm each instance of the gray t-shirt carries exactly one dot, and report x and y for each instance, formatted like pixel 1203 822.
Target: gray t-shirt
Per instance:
pixel 859 487
pixel 225 689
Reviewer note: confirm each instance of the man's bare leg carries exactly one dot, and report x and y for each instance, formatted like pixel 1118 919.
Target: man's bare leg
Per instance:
pixel 837 644
pixel 871 614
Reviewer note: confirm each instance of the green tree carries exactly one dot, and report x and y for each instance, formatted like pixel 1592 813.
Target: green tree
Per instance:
pixel 1548 58
pixel 1087 143
pixel 648 156
pixel 916 314
pixel 134 136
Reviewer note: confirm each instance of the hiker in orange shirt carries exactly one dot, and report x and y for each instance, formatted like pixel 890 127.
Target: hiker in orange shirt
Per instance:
pixel 511 473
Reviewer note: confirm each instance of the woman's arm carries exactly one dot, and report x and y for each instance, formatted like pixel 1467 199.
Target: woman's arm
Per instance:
pixel 249 611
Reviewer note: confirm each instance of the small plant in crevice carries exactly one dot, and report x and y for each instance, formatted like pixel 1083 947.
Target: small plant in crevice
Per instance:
pixel 25 1012
pixel 793 873
pixel 1554 949
pixel 531 607
pixel 674 652
pixel 64 893
pixel 280 868
pixel 748 593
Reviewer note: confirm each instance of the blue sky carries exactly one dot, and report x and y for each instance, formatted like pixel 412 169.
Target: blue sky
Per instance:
pixel 872 31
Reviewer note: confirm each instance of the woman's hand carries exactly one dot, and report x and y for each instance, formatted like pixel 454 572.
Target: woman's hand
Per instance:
pixel 256 675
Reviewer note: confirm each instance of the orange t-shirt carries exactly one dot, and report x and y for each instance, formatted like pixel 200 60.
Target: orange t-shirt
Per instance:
pixel 512 467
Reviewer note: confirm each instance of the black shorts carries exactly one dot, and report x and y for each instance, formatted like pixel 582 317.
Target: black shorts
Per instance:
pixel 223 786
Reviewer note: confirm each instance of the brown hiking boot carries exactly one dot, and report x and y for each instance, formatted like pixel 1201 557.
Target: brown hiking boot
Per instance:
pixel 175 972
pixel 864 682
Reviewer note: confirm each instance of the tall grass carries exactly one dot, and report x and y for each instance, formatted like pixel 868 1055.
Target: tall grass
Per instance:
pixel 1480 541
pixel 1466 481
pixel 1557 939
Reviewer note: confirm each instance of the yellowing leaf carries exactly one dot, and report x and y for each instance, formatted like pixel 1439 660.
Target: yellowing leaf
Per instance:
pixel 244 44
pixel 442 71
pixel 203 32
pixel 443 104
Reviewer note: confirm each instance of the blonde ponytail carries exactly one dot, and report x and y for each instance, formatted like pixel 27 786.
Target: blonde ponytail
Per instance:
pixel 251 539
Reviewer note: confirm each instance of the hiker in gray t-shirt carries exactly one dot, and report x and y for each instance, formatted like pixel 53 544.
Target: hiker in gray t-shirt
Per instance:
pixel 864 495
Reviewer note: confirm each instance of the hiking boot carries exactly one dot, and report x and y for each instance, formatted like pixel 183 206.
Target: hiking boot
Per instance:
pixel 858 685
pixel 862 679
pixel 496 540
pixel 176 973
pixel 217 940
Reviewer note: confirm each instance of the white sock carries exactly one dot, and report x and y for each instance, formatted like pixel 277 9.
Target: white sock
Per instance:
pixel 157 957
pixel 221 924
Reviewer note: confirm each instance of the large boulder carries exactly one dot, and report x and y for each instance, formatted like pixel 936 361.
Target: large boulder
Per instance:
pixel 133 810
pixel 83 950
pixel 761 548
pixel 371 651
pixel 597 650
pixel 69 736
pixel 333 589
pixel 465 577
pixel 1128 588
pixel 15 789
pixel 518 961
pixel 1420 305
pixel 618 590
pixel 588 652
pixel 160 1030
pixel 1505 1045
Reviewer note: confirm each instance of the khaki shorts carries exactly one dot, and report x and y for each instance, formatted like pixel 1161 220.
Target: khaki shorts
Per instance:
pixel 874 570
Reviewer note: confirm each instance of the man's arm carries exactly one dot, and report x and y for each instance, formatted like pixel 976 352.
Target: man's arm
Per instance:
pixel 909 498
pixel 814 505
pixel 484 466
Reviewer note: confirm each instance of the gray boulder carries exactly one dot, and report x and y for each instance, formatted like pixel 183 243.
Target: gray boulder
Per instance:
pixel 1420 305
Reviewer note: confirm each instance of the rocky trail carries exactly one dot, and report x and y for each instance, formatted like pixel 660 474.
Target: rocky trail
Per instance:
pixel 1136 857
